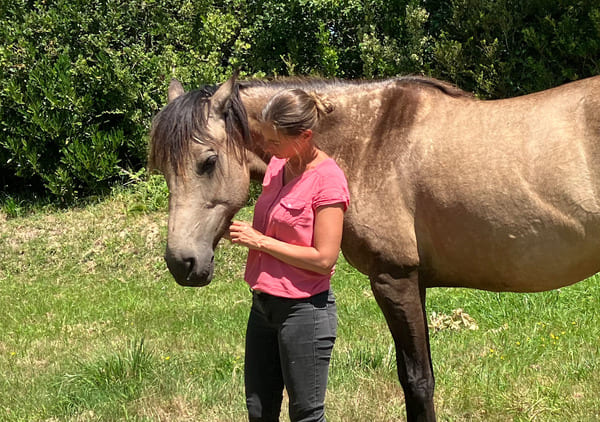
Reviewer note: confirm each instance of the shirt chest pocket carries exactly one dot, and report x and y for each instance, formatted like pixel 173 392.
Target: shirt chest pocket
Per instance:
pixel 294 212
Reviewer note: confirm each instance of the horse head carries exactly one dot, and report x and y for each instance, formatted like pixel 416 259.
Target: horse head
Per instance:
pixel 199 142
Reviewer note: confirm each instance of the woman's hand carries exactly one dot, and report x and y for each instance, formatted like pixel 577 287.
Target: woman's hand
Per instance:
pixel 242 233
pixel 319 258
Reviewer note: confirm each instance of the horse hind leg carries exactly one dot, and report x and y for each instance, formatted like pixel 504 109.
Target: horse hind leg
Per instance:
pixel 402 301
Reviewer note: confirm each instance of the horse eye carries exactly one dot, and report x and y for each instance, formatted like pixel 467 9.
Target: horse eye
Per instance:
pixel 208 165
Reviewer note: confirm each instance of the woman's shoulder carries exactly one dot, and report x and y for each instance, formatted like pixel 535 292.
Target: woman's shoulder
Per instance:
pixel 332 186
pixel 330 169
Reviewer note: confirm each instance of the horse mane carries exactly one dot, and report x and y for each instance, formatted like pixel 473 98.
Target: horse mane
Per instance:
pixel 444 87
pixel 316 83
pixel 185 119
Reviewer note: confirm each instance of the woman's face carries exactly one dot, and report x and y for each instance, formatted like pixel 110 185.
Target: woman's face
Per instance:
pixel 282 146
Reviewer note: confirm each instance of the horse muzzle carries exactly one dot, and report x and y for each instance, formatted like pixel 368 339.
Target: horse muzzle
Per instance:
pixel 191 269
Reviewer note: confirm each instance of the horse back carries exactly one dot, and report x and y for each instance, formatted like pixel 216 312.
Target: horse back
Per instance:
pixel 499 195
pixel 508 194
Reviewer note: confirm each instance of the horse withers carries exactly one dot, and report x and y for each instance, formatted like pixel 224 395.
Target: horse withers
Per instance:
pixel 446 190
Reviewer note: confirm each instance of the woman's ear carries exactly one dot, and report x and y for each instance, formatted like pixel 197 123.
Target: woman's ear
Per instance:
pixel 307 135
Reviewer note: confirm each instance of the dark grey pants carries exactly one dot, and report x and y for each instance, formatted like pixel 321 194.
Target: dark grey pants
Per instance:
pixel 289 343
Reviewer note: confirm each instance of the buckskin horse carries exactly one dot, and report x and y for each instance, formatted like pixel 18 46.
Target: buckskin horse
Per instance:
pixel 446 190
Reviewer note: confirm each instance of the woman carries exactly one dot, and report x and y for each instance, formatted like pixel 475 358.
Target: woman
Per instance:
pixel 294 243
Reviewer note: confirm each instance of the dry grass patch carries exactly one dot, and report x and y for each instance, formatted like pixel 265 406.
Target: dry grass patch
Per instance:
pixel 172 409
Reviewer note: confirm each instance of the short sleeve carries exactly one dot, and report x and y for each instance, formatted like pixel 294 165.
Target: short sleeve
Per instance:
pixel 332 189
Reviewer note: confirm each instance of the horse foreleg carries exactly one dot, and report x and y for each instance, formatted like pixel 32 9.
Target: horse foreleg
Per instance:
pixel 402 301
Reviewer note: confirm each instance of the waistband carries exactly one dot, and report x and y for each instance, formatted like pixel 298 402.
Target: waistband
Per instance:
pixel 257 294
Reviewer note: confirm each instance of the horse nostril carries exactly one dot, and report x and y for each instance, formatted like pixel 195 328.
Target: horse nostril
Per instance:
pixel 190 263
pixel 190 268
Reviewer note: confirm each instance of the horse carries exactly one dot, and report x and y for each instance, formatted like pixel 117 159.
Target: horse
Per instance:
pixel 446 189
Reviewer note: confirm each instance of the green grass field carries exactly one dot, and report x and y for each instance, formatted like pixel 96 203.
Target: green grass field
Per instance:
pixel 93 328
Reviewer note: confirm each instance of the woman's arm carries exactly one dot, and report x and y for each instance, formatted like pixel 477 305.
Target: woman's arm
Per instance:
pixel 319 258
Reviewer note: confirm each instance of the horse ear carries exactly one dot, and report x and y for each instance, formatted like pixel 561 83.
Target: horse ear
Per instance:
pixel 220 99
pixel 175 89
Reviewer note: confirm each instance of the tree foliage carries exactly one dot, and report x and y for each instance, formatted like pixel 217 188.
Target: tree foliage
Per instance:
pixel 81 80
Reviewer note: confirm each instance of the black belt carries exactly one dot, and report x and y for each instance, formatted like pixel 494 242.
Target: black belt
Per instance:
pixel 311 299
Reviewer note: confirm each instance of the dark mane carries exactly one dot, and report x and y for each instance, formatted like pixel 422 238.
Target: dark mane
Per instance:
pixel 444 87
pixel 311 83
pixel 185 119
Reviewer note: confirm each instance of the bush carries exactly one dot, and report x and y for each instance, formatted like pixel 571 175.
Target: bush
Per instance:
pixel 503 48
pixel 81 80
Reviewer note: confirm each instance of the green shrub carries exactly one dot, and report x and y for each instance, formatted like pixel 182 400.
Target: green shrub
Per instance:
pixel 504 48
pixel 80 81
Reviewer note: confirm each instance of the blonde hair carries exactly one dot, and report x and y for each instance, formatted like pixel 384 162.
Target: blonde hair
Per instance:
pixel 293 111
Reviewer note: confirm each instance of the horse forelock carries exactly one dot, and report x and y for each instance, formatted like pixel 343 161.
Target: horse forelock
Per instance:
pixel 178 123
pixel 185 120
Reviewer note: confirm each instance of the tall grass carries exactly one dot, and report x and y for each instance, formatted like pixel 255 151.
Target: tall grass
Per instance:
pixel 94 328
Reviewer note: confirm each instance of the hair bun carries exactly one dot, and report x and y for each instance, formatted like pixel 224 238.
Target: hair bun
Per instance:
pixel 322 105
pixel 293 111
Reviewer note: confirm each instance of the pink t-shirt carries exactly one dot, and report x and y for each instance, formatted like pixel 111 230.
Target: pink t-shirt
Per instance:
pixel 287 212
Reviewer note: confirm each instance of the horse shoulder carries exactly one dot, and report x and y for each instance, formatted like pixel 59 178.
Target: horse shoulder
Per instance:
pixel 381 157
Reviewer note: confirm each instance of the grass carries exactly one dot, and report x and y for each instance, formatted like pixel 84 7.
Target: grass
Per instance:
pixel 95 329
